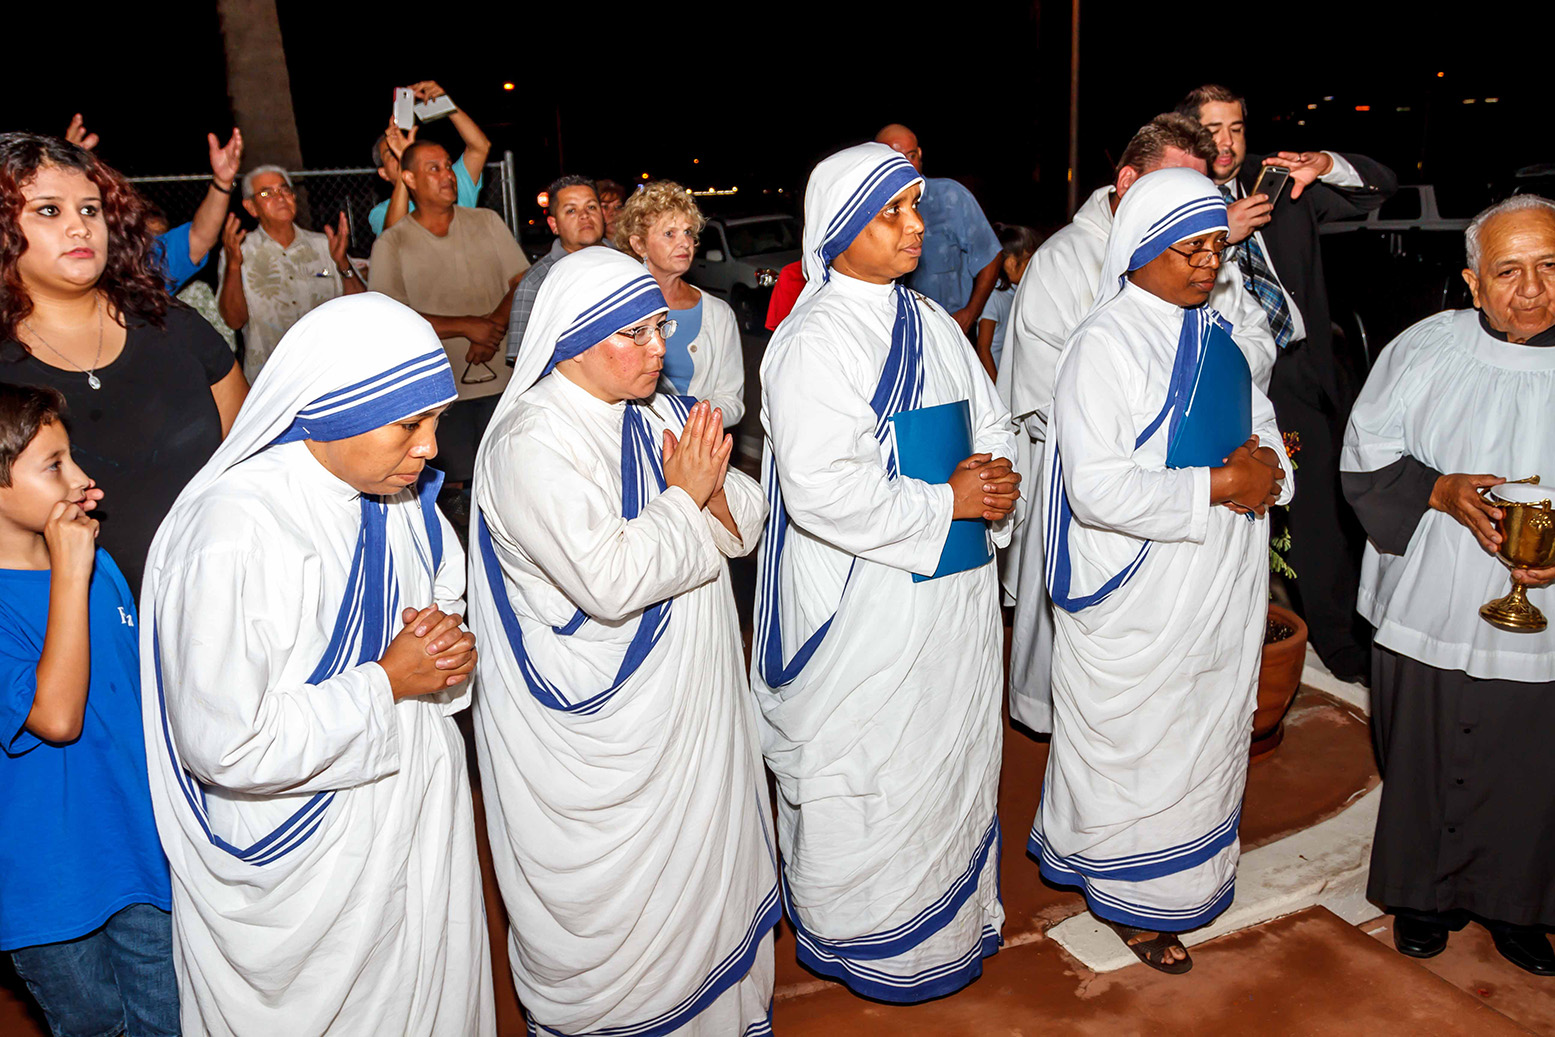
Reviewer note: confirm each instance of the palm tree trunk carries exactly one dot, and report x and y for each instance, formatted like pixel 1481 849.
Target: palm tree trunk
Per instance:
pixel 258 83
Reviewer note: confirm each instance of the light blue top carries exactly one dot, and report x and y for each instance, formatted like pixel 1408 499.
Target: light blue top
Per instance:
pixel 957 243
pixel 80 840
pixel 998 311
pixel 469 194
pixel 678 365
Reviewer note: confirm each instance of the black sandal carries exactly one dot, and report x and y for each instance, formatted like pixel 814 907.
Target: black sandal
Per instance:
pixel 1153 952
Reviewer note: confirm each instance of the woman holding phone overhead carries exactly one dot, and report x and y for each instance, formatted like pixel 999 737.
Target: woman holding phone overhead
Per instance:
pixel 150 388
pixel 624 790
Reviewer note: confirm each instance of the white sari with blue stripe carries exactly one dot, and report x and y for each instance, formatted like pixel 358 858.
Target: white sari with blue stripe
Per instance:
pixel 620 767
pixel 1160 604
pixel 880 695
pixel 320 834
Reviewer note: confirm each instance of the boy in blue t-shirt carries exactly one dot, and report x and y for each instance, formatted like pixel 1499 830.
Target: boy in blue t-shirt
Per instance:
pixel 84 897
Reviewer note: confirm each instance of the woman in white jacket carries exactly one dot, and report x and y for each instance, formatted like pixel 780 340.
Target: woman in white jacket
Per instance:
pixel 659 225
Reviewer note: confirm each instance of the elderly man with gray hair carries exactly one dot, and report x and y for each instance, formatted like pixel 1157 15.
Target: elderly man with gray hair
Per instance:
pixel 1457 409
pixel 278 272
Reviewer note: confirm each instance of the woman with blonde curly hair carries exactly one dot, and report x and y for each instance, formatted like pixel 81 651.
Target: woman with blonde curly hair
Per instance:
pixel 703 358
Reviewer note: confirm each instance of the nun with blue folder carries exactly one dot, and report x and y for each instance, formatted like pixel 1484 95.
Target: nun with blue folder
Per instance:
pixel 1162 460
pixel 878 651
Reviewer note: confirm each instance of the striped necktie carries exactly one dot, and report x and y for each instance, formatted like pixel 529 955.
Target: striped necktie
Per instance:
pixel 1259 279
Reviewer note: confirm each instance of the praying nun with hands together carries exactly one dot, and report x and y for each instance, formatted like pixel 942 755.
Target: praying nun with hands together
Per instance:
pixel 302 656
pixel 622 776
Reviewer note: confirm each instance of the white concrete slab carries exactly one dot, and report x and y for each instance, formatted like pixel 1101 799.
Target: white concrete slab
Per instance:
pixel 1325 864
pixel 1314 674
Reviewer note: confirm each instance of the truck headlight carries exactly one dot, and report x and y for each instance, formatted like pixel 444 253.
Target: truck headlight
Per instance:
pixel 766 277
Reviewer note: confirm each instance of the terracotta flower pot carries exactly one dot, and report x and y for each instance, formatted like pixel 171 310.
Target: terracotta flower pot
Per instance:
pixel 1278 679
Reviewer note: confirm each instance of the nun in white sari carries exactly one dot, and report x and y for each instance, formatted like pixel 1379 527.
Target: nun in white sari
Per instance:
pixel 880 693
pixel 1160 595
pixel 619 760
pixel 308 781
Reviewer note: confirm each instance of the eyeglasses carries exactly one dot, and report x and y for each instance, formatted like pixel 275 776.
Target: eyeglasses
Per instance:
pixel 489 376
pixel 1204 255
pixel 643 333
pixel 278 191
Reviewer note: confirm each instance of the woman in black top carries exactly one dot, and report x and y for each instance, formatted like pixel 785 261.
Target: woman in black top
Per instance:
pixel 150 388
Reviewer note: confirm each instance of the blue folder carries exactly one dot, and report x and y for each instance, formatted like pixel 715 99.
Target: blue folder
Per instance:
pixel 930 442
pixel 1218 417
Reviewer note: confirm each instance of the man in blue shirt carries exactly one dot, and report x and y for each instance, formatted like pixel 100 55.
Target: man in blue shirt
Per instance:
pixel 960 261
pixel 391 144
pixel 182 250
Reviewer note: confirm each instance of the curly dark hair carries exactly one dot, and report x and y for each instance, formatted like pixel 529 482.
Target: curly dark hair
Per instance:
pixel 132 280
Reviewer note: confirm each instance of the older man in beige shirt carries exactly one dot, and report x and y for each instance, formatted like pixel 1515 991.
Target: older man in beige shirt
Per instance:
pixel 457 267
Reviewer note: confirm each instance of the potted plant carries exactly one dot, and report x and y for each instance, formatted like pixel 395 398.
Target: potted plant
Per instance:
pixel 1284 646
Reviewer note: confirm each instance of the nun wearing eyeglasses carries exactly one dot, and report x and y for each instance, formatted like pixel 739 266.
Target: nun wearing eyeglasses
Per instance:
pixel 879 686
pixel 302 657
pixel 619 759
pixel 1161 462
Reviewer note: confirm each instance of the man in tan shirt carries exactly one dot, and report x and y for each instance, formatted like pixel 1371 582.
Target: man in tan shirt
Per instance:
pixel 457 267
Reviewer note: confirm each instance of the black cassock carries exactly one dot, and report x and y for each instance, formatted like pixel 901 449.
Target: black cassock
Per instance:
pixel 1467 820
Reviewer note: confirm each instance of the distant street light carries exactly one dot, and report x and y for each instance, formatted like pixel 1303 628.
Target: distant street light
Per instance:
pixel 543 199
pixel 508 86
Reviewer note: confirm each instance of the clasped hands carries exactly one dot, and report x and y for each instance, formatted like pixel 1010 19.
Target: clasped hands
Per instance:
pixel 430 653
pixel 698 459
pixel 1250 480
pixel 1459 495
pixel 984 487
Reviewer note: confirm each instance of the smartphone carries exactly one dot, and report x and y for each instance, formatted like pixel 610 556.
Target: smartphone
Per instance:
pixel 1271 181
pixel 404 108
pixel 437 108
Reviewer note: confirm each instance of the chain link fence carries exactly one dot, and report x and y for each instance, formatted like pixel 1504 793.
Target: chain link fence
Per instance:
pixel 322 194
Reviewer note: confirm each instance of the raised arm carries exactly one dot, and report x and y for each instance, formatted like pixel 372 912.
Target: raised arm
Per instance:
pixel 476 145
pixel 211 216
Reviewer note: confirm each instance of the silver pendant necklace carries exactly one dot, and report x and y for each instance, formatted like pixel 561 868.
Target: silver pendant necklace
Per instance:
pixel 90 372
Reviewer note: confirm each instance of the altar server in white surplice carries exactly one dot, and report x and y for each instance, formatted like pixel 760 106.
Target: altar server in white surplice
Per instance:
pixel 302 660
pixel 880 692
pixel 1161 461
pixel 1058 290
pixel 617 739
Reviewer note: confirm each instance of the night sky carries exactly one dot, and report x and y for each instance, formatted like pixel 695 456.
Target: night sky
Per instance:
pixel 757 95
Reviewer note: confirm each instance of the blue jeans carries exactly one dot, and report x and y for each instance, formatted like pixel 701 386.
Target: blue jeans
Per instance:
pixel 116 979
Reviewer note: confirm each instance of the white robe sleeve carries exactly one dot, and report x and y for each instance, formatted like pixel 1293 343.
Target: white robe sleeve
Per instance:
pixel 1108 488
pixel 571 527
pixel 225 625
pixel 834 481
pixel 448 594
pixel 748 507
pixel 1268 433
pixel 993 433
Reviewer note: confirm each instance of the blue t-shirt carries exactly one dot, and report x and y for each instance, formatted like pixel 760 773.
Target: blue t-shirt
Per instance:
pixel 957 243
pixel 171 252
pixel 998 311
pixel 80 842
pixel 469 194
pixel 678 366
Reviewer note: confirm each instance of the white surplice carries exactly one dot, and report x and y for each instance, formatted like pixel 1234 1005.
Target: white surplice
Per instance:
pixel 1457 399
pixel 1054 295
pixel 1153 686
pixel 629 827
pixel 886 746
pixel 320 834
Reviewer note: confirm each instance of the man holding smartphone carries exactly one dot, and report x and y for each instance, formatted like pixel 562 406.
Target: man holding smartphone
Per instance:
pixel 1283 269
pixel 391 144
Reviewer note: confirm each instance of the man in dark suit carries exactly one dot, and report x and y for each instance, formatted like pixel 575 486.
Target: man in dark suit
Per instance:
pixel 1283 268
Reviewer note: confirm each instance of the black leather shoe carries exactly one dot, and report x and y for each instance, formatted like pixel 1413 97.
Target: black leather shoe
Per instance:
pixel 1526 947
pixel 1419 939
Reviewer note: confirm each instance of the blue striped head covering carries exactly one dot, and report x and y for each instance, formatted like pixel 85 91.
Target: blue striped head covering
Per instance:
pixel 845 192
pixel 588 296
pixel 1159 210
